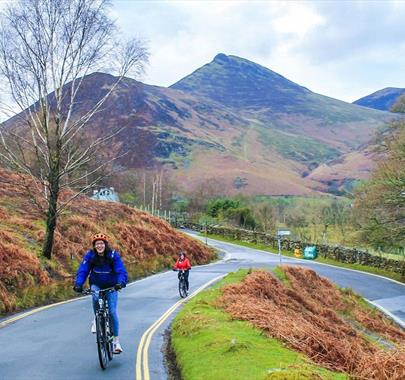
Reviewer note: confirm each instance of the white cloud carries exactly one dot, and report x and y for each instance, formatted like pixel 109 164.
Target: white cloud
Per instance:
pixel 297 20
pixel 340 49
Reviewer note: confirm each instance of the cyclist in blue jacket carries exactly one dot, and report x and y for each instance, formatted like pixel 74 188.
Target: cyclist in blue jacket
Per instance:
pixel 106 270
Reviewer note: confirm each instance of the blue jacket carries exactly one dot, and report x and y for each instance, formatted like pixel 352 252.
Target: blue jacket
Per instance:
pixel 107 275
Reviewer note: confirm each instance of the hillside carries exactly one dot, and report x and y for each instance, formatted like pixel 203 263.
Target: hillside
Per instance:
pixel 146 243
pixel 286 324
pixel 233 122
pixel 382 99
pixel 339 174
pixel 278 103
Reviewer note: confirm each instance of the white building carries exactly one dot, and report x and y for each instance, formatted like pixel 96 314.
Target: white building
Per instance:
pixel 105 194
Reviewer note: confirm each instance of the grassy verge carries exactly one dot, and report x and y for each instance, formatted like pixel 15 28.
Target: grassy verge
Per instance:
pixel 363 268
pixel 209 344
pixel 42 295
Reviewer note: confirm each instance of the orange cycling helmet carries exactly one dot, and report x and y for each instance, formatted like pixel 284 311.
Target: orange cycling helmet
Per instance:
pixel 99 237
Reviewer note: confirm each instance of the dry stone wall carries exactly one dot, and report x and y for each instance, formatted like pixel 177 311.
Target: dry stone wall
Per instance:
pixel 335 252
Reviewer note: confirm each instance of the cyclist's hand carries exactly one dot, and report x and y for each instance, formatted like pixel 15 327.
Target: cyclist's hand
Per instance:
pixel 174 269
pixel 78 288
pixel 118 286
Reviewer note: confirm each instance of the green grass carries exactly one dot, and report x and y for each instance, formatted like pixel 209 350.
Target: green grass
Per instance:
pixel 40 295
pixel 11 205
pixel 350 298
pixel 22 236
pixel 298 148
pixel 210 345
pixel 280 274
pixel 363 268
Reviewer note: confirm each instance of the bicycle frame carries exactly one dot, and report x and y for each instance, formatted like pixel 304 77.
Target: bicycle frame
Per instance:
pixel 104 331
pixel 182 285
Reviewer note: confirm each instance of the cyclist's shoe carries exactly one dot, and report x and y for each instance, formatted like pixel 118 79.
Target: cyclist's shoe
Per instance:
pixel 93 327
pixel 117 346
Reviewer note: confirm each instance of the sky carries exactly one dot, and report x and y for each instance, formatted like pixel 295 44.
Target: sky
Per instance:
pixel 343 49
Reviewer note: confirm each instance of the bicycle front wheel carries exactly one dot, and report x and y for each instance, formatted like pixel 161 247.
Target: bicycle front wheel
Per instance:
pixel 102 341
pixel 182 288
pixel 110 336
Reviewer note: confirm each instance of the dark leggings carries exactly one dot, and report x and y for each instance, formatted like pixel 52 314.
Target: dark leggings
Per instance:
pixel 186 272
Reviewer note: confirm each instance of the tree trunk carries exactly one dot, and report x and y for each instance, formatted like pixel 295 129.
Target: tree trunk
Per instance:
pixel 153 196
pixel 50 231
pixel 144 189
pixel 51 217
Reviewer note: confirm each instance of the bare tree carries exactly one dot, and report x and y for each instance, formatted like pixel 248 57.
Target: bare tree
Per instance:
pixel 144 188
pixel 379 205
pixel 160 188
pixel 47 47
pixel 153 196
pixel 157 190
pixel 209 189
pixel 265 215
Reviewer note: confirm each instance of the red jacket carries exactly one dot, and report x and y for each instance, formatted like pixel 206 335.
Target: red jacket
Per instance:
pixel 182 265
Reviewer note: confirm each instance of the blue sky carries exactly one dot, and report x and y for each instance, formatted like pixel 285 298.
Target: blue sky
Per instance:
pixel 343 49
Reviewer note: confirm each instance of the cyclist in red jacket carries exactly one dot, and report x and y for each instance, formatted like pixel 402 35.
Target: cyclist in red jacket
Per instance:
pixel 183 264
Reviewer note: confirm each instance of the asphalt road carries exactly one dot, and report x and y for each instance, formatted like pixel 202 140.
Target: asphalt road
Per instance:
pixel 56 343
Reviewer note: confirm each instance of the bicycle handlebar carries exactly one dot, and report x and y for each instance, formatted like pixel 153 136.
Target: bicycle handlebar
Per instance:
pixel 90 291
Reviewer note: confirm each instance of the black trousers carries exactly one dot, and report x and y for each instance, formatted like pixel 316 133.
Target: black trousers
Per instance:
pixel 186 273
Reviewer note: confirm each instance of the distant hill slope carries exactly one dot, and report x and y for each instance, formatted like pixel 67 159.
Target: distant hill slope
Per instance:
pixel 277 103
pixel 232 121
pixel 381 100
pixel 340 174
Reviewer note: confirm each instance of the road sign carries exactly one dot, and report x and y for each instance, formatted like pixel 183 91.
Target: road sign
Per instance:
pixel 281 233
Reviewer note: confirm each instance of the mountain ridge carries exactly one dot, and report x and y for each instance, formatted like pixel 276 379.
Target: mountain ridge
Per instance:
pixel 382 99
pixel 265 137
pixel 260 77
pixel 278 101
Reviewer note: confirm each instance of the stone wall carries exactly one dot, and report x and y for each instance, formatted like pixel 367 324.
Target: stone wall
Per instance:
pixel 335 252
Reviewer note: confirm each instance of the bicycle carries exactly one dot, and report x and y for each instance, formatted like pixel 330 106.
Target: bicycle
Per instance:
pixel 182 285
pixel 104 330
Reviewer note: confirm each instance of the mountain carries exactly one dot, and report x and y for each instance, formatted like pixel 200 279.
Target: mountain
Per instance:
pixel 276 103
pixel 381 100
pixel 232 122
pixel 303 126
pixel 239 83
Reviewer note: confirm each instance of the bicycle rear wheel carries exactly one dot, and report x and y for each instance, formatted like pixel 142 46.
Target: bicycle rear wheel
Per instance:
pixel 102 341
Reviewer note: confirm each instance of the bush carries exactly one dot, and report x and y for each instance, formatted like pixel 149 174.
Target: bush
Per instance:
pixel 216 207
pixel 242 217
